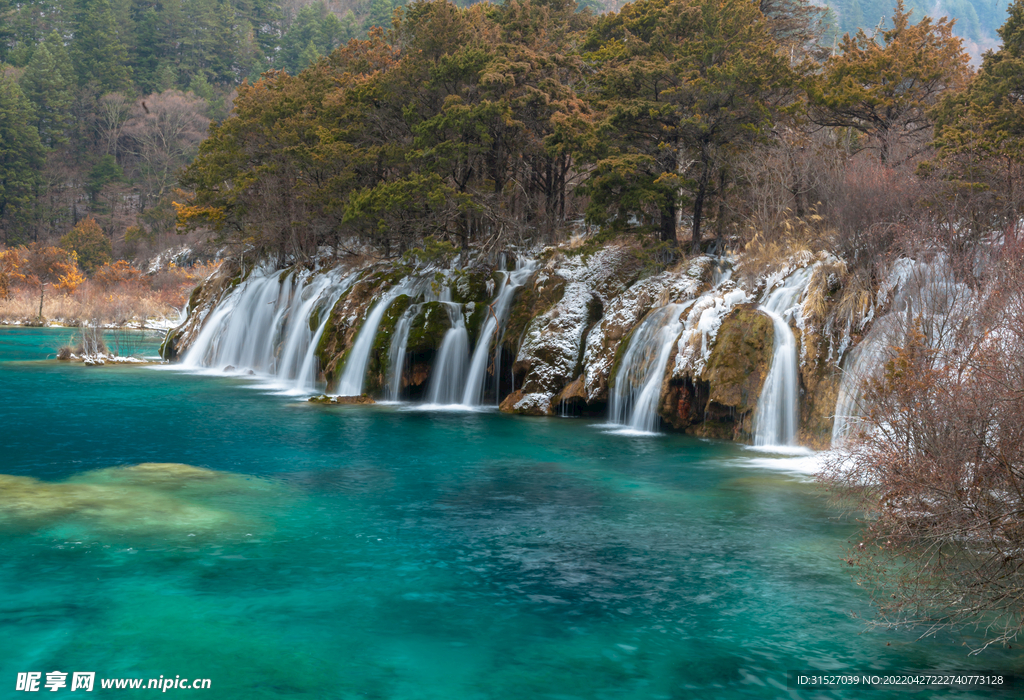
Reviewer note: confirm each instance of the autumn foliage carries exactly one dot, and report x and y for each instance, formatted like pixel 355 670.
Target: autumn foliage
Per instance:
pixel 45 283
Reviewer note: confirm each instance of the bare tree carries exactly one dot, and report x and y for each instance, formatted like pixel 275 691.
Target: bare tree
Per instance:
pixel 937 465
pixel 163 135
pixel 112 114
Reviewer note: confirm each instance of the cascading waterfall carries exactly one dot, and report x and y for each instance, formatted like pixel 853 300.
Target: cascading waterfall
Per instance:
pixel 351 382
pixel 396 353
pixel 263 326
pixel 492 331
pixel 927 293
pixel 777 416
pixel 449 373
pixel 634 396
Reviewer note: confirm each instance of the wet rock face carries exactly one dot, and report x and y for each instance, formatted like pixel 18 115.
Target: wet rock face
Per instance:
pixel 574 290
pixel 426 333
pixel 346 319
pixel 722 401
pixel 819 382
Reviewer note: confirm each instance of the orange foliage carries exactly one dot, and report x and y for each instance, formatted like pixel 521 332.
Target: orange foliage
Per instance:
pixel 11 263
pixel 121 273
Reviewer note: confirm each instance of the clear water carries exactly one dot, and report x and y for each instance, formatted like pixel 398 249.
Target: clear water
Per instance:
pixel 376 552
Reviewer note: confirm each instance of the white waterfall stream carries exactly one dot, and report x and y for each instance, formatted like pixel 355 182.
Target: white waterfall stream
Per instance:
pixel 351 382
pixel 777 416
pixel 449 372
pixel 396 353
pixel 492 331
pixel 637 387
pixel 262 326
pixel 926 293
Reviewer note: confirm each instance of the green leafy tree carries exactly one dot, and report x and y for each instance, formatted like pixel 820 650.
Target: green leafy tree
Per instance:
pixel 884 90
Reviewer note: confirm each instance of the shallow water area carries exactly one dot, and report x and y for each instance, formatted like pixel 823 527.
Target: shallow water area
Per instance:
pixel 291 550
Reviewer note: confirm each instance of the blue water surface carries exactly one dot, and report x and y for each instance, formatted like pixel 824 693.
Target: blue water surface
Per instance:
pixel 387 552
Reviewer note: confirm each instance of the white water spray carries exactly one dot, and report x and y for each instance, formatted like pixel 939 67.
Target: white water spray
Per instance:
pixel 637 388
pixel 777 417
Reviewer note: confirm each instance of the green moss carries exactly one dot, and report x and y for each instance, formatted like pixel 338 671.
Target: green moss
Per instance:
pixel 328 340
pixel 378 369
pixel 739 362
pixel 428 328
pixel 193 299
pixel 470 286
pixel 167 348
pixel 530 302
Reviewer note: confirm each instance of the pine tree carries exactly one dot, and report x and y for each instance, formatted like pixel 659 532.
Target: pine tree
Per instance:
pixel 21 159
pixel 49 90
pixel 98 51
pixel 885 90
pixel 380 14
pixel 685 85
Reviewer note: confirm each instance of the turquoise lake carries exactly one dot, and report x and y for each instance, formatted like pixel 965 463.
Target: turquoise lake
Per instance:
pixel 388 552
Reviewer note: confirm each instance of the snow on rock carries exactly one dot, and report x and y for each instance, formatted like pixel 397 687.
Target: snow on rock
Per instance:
pixel 703 319
pixel 624 312
pixel 550 355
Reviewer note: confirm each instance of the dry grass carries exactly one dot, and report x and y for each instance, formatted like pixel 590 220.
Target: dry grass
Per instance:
pixel 766 253
pixel 118 302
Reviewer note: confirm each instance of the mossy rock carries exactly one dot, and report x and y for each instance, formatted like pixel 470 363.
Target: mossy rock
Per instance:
pixel 470 285
pixel 324 399
pixel 820 382
pixel 377 371
pixel 169 348
pixel 427 330
pixel 721 403
pixel 531 300
pixel 339 334
pixel 740 359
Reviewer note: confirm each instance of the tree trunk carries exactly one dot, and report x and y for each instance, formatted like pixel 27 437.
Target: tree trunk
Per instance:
pixel 41 287
pixel 668 222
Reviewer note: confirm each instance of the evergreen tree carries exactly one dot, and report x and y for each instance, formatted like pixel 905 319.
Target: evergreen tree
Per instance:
pixel 685 85
pixel 99 54
pixel 49 89
pixel 885 90
pixel 380 14
pixel 981 136
pixel 21 159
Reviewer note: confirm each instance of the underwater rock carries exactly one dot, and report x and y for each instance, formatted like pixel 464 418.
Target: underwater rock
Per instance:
pixel 150 499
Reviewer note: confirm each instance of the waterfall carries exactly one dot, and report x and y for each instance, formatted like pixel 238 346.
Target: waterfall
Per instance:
pixel 927 293
pixel 492 331
pixel 262 325
pixel 396 353
pixel 777 416
pixel 449 372
pixel 351 382
pixel 634 396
